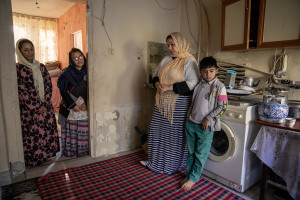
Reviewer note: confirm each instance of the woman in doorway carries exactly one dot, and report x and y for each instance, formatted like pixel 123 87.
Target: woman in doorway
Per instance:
pixel 175 79
pixel 72 83
pixel 39 129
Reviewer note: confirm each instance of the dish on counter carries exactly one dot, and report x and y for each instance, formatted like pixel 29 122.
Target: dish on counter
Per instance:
pixel 237 91
pixel 290 122
pixel 246 87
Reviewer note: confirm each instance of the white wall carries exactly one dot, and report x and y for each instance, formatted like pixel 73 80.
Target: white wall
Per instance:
pixel 116 82
pixel 257 59
pixel 11 147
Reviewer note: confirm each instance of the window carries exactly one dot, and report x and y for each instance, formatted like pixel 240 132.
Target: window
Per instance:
pixel 41 31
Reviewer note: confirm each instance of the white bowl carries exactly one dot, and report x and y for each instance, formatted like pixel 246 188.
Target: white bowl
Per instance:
pixel 290 122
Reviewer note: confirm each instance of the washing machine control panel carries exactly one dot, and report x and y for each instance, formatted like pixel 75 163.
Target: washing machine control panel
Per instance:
pixel 232 115
pixel 229 114
pixel 240 114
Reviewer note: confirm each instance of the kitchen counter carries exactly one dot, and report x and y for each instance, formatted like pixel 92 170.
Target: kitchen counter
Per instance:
pixel 296 127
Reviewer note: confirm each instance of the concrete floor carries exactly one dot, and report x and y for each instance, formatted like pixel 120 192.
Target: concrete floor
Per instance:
pixel 63 163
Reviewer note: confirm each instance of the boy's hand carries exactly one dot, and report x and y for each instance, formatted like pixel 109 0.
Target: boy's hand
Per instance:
pixel 205 123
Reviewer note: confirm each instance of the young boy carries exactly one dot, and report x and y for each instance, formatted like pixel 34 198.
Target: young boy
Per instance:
pixel 208 104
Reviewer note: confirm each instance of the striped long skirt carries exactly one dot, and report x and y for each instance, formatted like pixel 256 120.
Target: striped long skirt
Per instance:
pixel 75 138
pixel 167 150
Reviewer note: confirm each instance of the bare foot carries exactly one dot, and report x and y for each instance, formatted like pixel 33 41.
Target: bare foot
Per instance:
pixel 188 185
pixel 183 181
pixel 143 163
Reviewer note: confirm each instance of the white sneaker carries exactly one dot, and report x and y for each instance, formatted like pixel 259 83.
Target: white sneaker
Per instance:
pixel 143 163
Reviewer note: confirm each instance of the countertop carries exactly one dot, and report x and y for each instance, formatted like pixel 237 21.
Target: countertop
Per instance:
pixel 296 127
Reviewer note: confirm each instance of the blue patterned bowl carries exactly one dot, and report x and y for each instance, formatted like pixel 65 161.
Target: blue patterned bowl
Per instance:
pixel 273 111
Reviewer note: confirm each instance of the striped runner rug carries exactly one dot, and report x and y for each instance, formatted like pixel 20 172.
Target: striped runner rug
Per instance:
pixel 124 178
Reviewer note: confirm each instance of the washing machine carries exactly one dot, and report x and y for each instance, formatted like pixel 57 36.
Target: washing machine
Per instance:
pixel 230 160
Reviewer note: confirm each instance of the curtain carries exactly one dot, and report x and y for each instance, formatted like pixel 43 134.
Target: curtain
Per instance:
pixel 41 31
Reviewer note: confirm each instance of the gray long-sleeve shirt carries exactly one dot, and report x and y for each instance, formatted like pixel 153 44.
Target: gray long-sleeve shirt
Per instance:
pixel 210 101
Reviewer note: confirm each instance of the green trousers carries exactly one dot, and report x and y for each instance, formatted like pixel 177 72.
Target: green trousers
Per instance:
pixel 198 143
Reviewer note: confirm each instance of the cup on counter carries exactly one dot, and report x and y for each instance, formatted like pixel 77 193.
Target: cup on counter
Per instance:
pixel 290 122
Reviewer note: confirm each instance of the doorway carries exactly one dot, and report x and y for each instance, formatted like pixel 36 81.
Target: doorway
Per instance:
pixel 77 39
pixel 65 39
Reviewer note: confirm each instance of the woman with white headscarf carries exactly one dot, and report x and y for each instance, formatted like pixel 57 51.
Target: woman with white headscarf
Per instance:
pixel 175 79
pixel 39 129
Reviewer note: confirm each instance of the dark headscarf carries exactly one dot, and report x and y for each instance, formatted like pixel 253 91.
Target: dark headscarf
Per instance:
pixel 71 75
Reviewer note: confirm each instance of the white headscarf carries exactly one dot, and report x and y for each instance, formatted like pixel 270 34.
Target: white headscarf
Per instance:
pixel 172 73
pixel 36 70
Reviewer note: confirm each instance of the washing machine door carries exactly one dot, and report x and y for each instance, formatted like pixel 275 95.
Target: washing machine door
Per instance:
pixel 223 144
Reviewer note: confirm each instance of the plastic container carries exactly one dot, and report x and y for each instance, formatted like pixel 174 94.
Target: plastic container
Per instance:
pixel 230 79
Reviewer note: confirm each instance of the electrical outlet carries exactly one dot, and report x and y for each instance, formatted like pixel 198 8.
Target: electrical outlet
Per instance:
pixel 111 51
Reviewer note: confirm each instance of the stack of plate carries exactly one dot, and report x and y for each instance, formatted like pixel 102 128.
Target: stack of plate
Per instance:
pixel 237 91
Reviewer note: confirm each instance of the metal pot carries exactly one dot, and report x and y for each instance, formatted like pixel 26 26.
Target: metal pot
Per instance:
pixel 273 108
pixel 271 99
pixel 294 109
pixel 273 111
pixel 249 81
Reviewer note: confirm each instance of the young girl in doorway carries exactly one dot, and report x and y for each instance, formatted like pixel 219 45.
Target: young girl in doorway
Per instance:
pixel 73 118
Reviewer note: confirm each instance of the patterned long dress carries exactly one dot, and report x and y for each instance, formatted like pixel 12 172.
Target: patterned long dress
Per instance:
pixel 39 131
pixel 75 132
pixel 167 150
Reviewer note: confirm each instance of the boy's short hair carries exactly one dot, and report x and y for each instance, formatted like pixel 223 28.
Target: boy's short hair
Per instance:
pixel 208 62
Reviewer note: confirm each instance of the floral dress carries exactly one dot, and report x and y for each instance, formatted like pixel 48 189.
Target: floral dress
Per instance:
pixel 39 130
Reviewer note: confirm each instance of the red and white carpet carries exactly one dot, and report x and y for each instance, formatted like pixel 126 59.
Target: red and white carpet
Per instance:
pixel 124 178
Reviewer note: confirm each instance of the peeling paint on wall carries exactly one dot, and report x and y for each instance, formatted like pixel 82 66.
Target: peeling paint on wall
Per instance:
pixel 100 138
pixel 111 115
pixel 99 120
pixel 126 131
pixel 120 135
pixel 127 116
pixel 112 128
